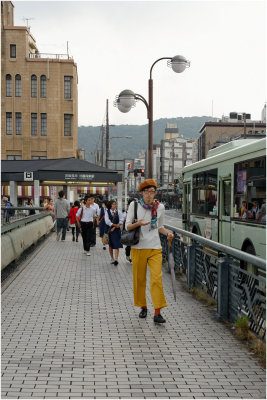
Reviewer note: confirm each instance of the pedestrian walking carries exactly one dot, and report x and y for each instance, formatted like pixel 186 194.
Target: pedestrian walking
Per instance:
pixel 85 218
pixel 150 215
pixel 97 209
pixel 75 230
pixel 62 210
pixel 30 204
pixel 113 218
pixel 103 227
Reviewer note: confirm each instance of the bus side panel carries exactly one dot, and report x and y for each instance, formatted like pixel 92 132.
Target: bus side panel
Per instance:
pixel 241 231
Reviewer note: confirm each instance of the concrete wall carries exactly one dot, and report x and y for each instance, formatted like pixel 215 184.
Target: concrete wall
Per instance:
pixel 15 242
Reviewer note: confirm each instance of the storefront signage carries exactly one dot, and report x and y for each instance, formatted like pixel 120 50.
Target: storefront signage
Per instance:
pixel 79 177
pixel 28 176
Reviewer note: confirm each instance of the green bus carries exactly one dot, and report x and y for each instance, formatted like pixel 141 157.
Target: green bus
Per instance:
pixel 224 196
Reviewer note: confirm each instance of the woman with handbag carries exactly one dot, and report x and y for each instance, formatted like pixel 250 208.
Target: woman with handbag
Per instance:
pixel 148 251
pixel 114 219
pixel 103 228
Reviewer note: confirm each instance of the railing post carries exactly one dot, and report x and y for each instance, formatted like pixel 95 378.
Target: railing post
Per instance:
pixel 191 265
pixel 223 289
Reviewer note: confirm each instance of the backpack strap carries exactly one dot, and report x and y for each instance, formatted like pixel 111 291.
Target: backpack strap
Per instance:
pixel 135 210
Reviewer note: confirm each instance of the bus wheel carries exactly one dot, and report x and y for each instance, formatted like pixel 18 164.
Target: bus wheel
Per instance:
pixel 246 265
pixel 195 230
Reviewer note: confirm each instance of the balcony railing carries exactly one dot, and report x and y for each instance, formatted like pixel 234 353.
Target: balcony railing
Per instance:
pixel 50 56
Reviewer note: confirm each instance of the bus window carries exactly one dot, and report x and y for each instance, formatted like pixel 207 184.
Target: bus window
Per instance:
pixel 204 192
pixel 250 188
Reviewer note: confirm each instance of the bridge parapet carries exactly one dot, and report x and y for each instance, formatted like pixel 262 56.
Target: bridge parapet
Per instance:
pixel 20 231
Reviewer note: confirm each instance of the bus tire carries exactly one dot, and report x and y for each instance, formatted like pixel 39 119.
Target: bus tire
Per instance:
pixel 195 230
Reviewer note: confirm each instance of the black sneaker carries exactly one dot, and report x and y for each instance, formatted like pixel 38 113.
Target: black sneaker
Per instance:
pixel 159 319
pixel 143 313
pixel 116 262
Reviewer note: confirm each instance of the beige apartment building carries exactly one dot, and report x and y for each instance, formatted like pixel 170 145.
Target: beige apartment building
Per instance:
pixel 39 97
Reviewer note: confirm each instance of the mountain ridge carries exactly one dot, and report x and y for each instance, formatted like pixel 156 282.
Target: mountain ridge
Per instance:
pixel 89 136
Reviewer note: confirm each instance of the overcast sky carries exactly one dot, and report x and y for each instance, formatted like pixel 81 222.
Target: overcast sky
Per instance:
pixel 114 44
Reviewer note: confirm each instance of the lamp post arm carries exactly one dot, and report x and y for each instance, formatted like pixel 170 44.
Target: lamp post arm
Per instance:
pixel 140 97
pixel 162 58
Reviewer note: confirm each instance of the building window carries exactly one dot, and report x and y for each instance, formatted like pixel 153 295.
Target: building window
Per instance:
pixel 12 51
pixel 39 157
pixel 15 157
pixel 67 124
pixel 34 123
pixel 18 85
pixel 43 86
pixel 9 123
pixel 67 87
pixel 18 123
pixel 43 124
pixel 33 86
pixel 8 85
pixel 9 130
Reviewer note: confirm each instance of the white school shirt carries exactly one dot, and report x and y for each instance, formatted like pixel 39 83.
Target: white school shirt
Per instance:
pixel 88 213
pixel 96 207
pixel 107 220
pixel 149 238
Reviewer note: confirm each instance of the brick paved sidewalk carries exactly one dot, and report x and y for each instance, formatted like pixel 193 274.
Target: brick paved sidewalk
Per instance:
pixel 70 330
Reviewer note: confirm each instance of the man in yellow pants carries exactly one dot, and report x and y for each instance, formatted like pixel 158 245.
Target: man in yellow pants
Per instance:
pixel 150 218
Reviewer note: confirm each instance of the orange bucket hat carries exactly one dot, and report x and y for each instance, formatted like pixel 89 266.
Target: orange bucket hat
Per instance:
pixel 147 183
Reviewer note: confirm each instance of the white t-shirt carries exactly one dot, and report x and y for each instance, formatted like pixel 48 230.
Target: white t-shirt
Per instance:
pixel 149 238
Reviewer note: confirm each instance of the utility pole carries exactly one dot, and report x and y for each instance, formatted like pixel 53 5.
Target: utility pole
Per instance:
pixel 107 136
pixel 102 144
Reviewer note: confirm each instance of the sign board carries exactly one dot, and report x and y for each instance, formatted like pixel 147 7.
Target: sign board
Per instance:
pixel 79 177
pixel 28 176
pixel 128 166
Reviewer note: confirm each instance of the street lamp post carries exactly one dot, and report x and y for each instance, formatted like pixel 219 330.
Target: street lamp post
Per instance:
pixel 127 99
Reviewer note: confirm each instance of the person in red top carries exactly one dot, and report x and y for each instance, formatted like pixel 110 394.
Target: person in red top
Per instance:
pixel 73 222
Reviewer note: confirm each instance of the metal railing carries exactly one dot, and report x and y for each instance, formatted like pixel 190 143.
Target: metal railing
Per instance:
pixel 215 269
pixel 51 56
pixel 15 217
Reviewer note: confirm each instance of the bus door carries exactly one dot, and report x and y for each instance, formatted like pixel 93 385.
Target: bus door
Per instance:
pixel 225 211
pixel 186 206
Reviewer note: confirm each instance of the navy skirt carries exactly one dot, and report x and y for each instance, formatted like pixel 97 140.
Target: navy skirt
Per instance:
pixel 115 239
pixel 103 228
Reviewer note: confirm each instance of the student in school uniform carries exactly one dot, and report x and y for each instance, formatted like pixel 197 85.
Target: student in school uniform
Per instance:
pixel 114 219
pixel 85 217
pixel 103 228
pixel 97 209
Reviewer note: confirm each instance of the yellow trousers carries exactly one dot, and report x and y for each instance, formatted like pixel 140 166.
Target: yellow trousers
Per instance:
pixel 140 259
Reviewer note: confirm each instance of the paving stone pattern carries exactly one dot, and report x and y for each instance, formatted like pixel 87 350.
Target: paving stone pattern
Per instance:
pixel 70 330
